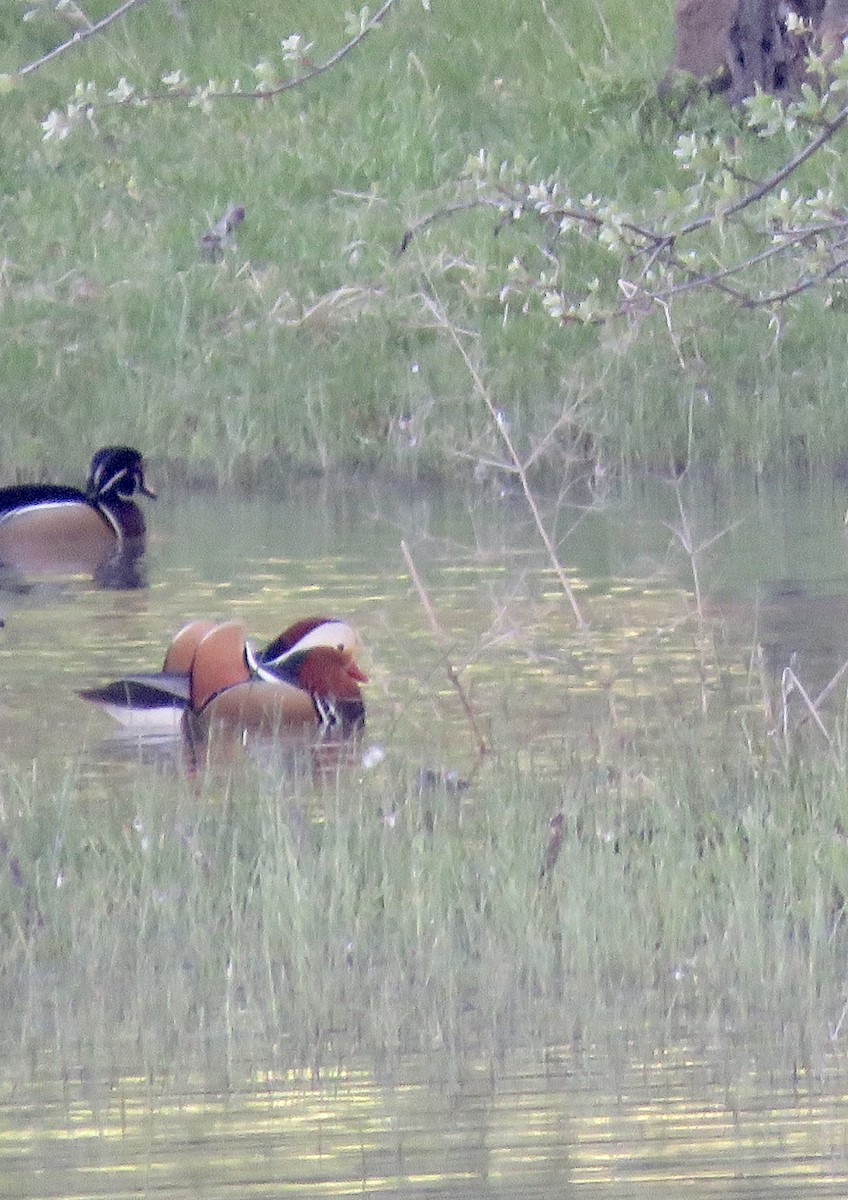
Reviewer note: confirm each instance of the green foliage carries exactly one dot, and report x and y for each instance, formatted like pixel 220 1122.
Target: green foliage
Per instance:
pixel 576 227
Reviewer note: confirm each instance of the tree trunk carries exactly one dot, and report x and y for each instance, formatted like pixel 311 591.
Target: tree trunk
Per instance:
pixel 747 41
pixel 702 45
pixel 761 51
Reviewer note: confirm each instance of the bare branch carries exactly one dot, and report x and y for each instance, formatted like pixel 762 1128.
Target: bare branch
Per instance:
pixel 452 673
pixel 520 469
pixel 802 285
pixel 447 210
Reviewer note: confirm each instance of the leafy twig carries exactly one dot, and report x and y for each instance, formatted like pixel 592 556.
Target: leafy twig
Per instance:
pixel 268 93
pixel 369 26
pixel 80 36
pixel 664 269
pixel 773 181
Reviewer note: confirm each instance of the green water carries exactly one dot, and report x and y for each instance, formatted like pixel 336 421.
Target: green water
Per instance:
pixel 571 1121
pixel 772 565
pixel 680 1111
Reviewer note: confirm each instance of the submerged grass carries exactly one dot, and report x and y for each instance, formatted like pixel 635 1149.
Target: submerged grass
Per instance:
pixel 206 920
pixel 312 340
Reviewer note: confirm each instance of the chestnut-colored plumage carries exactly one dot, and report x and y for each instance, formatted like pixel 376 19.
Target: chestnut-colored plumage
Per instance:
pixel 180 654
pixel 315 685
pixel 306 676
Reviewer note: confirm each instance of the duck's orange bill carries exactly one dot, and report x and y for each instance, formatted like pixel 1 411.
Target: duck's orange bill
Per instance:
pixel 355 673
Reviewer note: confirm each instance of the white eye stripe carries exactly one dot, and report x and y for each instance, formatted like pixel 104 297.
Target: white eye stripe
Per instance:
pixel 102 488
pixel 332 634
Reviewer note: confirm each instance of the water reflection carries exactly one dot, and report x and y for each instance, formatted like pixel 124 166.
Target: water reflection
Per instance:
pixel 290 759
pixel 122 569
pixel 804 630
pixel 670 1124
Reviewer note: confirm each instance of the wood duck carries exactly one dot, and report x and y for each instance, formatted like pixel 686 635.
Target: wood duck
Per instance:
pixel 50 527
pixel 305 675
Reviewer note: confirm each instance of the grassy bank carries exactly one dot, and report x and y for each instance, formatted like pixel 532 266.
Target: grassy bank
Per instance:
pixel 313 340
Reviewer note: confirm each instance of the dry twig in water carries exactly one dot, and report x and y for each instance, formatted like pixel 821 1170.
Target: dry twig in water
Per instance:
pixel 452 673
pixel 516 467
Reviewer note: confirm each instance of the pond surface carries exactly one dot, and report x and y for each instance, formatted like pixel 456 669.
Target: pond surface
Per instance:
pixel 655 573
pixel 649 571
pixel 668 1124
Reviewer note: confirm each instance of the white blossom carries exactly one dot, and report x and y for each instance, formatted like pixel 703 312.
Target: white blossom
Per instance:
pixel 55 125
pixel 122 91
pixel 294 48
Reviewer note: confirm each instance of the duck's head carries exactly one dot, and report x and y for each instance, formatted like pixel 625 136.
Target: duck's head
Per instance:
pixel 309 633
pixel 332 679
pixel 117 471
pixel 326 671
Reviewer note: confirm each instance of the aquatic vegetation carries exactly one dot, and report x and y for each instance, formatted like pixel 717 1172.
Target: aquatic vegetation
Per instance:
pixel 382 911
